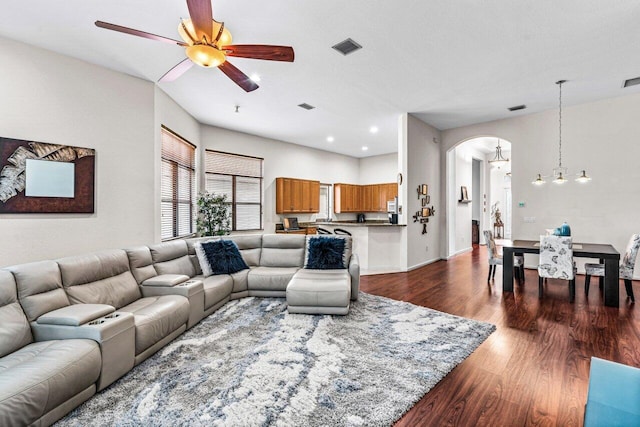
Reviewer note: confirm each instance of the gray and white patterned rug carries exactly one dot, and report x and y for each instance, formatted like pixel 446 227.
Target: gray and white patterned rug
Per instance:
pixel 253 364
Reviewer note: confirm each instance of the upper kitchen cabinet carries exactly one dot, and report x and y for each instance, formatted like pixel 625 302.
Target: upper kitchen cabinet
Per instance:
pixel 363 198
pixel 297 196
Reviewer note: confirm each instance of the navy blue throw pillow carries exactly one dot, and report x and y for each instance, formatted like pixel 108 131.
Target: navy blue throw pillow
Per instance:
pixel 223 257
pixel 234 258
pixel 325 253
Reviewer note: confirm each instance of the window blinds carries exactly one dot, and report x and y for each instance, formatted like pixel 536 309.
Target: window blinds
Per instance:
pixel 240 178
pixel 177 186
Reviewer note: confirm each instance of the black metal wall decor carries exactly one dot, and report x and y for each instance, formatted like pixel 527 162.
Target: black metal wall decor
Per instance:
pixel 422 216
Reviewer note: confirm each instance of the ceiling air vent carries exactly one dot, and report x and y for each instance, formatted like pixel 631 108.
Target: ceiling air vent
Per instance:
pixel 346 47
pixel 517 107
pixel 632 82
pixel 306 106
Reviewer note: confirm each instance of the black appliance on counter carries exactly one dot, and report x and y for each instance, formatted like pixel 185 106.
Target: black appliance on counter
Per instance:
pixel 360 218
pixel 393 218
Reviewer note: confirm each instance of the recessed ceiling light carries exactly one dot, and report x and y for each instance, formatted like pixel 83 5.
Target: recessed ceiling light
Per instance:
pixel 373 129
pixel 330 139
pixel 365 148
pixel 255 77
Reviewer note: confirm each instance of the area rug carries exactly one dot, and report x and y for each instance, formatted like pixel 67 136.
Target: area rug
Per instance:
pixel 253 364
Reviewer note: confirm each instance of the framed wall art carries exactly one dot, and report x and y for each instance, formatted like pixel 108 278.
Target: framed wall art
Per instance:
pixel 37 177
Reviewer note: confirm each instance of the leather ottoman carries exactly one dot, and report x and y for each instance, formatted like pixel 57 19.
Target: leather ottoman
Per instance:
pixel 319 292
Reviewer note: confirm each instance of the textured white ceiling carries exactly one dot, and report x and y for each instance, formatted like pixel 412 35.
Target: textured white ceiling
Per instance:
pixel 450 63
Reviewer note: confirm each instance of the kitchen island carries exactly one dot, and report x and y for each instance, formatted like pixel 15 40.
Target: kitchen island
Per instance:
pixel 376 242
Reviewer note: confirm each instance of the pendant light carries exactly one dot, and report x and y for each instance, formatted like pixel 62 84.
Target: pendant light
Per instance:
pixel 560 173
pixel 498 160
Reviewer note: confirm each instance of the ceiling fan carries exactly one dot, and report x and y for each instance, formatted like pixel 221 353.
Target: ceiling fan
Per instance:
pixel 208 43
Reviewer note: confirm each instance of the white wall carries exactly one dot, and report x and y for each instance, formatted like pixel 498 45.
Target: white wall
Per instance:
pixel 53 98
pixel 282 159
pixel 378 169
pixel 423 167
pixel 601 137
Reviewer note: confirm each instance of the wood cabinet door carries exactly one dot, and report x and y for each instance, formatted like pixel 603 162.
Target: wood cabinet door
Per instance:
pixel 314 191
pixel 284 195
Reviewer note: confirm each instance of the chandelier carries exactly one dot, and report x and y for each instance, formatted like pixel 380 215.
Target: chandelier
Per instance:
pixel 498 160
pixel 560 173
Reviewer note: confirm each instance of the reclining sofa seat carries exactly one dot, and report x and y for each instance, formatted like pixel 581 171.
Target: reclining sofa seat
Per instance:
pixel 173 258
pixel 105 278
pixel 40 381
pixel 250 246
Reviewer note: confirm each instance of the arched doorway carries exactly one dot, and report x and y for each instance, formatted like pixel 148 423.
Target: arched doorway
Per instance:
pixel 487 185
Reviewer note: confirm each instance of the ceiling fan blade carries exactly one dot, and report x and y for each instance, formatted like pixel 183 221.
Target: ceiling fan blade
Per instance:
pixel 202 18
pixel 240 78
pixel 179 69
pixel 138 33
pixel 261 51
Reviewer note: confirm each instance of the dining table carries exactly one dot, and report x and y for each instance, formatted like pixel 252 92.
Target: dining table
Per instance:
pixel 606 253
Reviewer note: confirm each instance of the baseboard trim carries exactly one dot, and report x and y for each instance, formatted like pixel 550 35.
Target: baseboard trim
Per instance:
pixel 422 264
pixel 460 252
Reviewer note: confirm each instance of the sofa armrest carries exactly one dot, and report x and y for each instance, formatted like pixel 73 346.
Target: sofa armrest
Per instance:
pixel 192 289
pixel 166 280
pixel 75 315
pixel 186 288
pixel 354 272
pixel 114 333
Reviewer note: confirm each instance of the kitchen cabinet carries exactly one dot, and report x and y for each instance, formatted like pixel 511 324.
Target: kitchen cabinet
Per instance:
pixel 363 198
pixel 297 196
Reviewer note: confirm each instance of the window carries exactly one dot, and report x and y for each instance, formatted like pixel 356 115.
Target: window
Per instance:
pixel 325 208
pixel 240 178
pixel 177 186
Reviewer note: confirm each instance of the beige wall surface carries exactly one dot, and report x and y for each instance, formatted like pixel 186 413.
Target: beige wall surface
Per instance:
pixel 282 159
pixel 423 167
pixel 52 98
pixel 601 137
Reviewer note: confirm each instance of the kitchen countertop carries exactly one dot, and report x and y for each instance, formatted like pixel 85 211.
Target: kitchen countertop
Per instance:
pixel 381 223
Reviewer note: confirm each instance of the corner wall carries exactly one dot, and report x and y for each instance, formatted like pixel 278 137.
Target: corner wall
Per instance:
pixel 282 159
pixel 422 157
pixel 53 98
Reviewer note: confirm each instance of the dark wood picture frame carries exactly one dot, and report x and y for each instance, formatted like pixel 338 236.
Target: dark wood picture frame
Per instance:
pixel 14 154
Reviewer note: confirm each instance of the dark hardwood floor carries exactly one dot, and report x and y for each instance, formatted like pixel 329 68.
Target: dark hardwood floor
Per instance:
pixel 534 369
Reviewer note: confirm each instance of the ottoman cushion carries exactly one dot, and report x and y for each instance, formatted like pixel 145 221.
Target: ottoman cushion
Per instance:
pixel 310 291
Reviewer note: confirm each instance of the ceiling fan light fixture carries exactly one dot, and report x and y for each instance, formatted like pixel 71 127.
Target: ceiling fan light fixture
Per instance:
pixel 188 33
pixel 205 55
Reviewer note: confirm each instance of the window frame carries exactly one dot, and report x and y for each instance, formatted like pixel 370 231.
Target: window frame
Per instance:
pixel 234 199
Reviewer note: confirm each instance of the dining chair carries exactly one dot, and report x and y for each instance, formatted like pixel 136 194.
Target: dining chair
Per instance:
pixel 496 259
pixel 626 267
pixel 556 262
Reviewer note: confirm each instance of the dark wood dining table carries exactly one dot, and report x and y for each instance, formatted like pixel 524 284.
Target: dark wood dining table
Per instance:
pixel 607 254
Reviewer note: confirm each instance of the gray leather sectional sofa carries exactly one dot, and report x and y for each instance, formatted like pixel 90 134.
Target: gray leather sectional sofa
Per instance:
pixel 71 327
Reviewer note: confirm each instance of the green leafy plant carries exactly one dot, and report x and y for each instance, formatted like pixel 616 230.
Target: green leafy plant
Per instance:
pixel 213 215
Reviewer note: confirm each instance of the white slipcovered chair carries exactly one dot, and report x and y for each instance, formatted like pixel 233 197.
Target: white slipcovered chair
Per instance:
pixel 626 267
pixel 496 259
pixel 556 262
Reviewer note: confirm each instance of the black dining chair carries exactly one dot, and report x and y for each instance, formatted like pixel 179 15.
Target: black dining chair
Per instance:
pixel 341 231
pixel 321 230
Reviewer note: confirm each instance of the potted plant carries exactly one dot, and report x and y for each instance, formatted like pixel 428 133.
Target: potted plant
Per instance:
pixel 213 215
